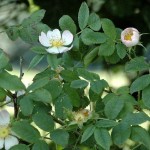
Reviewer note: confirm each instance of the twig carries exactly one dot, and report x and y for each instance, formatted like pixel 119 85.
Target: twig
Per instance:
pixel 5 104
pixel 57 120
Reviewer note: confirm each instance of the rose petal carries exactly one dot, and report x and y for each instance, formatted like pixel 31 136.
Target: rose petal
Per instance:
pixel 134 38
pixel 1 143
pixel 64 49
pixel 67 37
pixel 50 35
pixel 10 141
pixel 53 50
pixel 44 40
pixel 4 118
pixel 56 35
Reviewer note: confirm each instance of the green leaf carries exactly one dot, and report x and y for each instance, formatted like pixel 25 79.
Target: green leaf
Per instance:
pixel 90 37
pixel 26 105
pixel 39 50
pixel 2 94
pixel 60 137
pixel 67 23
pixel 121 133
pixel 98 86
pixel 42 95
pixel 121 50
pixel 69 75
pixel 113 107
pixel 123 90
pixel 137 64
pixel 109 97
pixel 76 43
pixel 106 123
pixel 90 76
pixel 87 133
pixel 36 60
pixel 55 88
pixel 10 82
pixel 38 84
pixel 67 60
pixel 94 96
pixel 109 28
pixel 25 131
pixel 94 22
pixel 90 56
pixel 129 103
pixel 113 59
pixel 30 33
pixel 52 60
pixel 107 48
pixel 48 72
pixel 102 138
pixel 35 17
pixel 73 95
pixel 79 84
pixel 146 96
pixel 62 103
pixel 140 83
pixel 136 118
pixel 128 108
pixel 20 147
pixel 128 99
pixel 140 135
pixel 12 32
pixel 43 121
pixel 40 145
pixel 83 15
pixel 3 60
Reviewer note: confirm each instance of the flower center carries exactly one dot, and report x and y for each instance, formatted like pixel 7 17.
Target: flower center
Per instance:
pixel 57 43
pixel 128 36
pixel 4 132
pixel 79 117
pixel 86 113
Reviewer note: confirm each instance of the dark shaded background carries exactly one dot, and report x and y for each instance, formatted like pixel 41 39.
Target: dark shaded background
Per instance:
pixel 124 13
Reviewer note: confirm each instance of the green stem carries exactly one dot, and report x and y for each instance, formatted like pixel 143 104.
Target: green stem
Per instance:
pixel 75 146
pixel 136 146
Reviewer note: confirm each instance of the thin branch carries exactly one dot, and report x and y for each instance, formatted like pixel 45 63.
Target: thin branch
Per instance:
pixel 57 120
pixel 21 70
pixel 5 104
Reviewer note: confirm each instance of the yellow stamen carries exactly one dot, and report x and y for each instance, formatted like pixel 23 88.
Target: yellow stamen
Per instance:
pixel 86 113
pixel 4 132
pixel 57 43
pixel 128 35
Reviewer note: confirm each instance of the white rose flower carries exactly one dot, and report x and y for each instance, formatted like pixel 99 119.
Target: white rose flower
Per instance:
pixel 81 116
pixel 55 42
pixel 130 37
pixel 7 139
